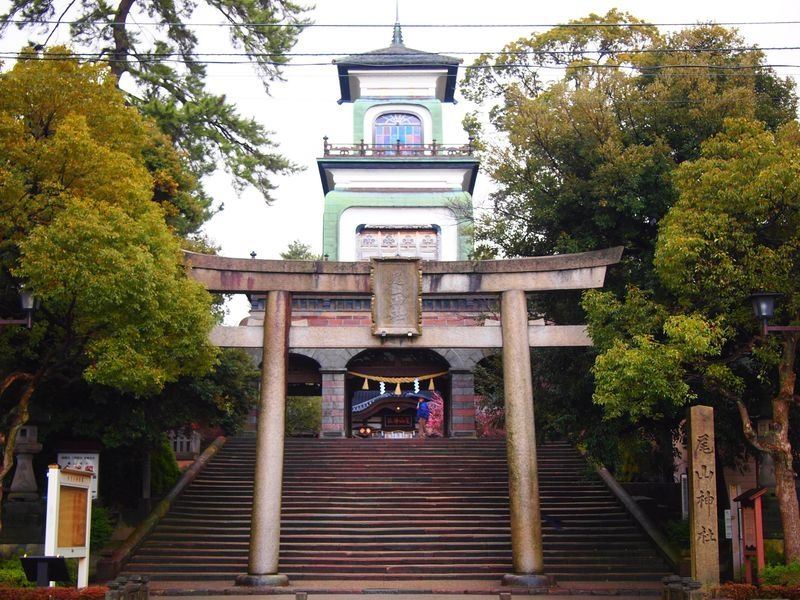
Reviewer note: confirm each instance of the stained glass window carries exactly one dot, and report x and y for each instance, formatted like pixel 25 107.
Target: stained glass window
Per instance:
pixel 403 127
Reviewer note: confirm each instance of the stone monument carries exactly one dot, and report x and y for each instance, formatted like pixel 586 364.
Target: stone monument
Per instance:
pixel 704 537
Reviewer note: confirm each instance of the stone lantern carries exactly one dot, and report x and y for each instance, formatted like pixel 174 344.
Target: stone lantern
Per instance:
pixel 23 487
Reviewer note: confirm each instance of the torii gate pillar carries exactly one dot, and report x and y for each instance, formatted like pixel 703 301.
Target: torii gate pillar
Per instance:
pixel 523 479
pixel 265 528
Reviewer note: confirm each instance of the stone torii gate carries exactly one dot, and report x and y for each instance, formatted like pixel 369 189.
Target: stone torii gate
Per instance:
pixel 396 287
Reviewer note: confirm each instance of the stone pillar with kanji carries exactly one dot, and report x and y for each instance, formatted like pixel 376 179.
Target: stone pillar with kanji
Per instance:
pixel 704 534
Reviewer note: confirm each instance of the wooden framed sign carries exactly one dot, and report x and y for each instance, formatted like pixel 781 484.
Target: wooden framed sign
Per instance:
pixel 69 516
pixel 396 296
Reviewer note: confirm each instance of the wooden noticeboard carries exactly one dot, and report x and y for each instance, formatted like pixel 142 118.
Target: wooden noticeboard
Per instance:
pixel 72 517
pixel 69 515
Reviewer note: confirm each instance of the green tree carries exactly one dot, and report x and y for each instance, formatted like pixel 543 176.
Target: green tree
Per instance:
pixel 734 229
pixel 587 162
pixel 170 77
pixel 80 227
pixel 220 398
pixel 297 250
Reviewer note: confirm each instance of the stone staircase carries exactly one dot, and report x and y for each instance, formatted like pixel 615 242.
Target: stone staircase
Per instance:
pixel 397 509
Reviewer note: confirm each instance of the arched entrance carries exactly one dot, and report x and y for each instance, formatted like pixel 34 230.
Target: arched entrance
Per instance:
pixel 303 377
pixel 303 396
pixel 380 409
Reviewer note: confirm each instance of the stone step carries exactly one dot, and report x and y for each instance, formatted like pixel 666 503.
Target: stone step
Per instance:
pixel 396 509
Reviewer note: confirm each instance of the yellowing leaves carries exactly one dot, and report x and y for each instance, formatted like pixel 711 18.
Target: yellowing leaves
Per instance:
pixel 80 227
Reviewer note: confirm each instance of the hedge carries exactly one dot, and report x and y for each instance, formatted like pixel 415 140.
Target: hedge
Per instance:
pixel 744 591
pixel 55 593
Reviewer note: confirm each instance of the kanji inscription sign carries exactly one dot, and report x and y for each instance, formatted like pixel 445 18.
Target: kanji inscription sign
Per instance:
pixel 396 297
pixel 703 496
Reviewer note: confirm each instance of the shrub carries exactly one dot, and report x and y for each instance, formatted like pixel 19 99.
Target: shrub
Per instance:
pixel 735 591
pixel 12 575
pixel 87 593
pixel 303 415
pixel 164 470
pixel 792 592
pixel 677 533
pixel 102 528
pixel 786 575
pixel 773 552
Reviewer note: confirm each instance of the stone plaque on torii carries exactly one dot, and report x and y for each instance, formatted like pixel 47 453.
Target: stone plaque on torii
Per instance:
pixel 396 296
pixel 509 279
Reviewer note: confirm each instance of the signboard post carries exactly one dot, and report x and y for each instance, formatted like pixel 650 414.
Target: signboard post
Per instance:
pixel 69 515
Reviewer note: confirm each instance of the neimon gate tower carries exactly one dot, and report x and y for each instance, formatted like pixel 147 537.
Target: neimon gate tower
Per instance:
pixel 397 189
pixel 396 310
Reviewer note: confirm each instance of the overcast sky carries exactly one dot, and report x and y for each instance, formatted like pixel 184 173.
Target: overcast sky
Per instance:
pixel 302 109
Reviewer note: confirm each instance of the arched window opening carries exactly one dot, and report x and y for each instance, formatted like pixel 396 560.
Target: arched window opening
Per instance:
pixel 398 133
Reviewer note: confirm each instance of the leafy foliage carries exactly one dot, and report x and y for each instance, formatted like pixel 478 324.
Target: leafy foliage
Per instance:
pixel 297 250
pixel 164 471
pixel 589 161
pixel 589 158
pixel 102 528
pixel 12 575
pixel 677 533
pixel 734 229
pixel 74 185
pixel 435 424
pixel 303 415
pixel 204 126
pixel 81 223
pixel 781 574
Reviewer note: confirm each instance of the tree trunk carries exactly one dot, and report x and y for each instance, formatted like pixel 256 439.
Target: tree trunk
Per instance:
pixel 781 450
pixel 778 445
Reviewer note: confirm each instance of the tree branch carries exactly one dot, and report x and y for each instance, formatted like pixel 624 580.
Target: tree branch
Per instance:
pixel 119 62
pixel 12 378
pixel 747 427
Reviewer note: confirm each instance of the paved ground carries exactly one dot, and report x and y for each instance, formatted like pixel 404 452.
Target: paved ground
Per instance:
pixel 397 596
pixel 408 590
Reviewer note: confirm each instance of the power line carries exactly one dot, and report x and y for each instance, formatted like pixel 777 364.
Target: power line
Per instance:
pixel 149 58
pixel 408 26
pixel 667 51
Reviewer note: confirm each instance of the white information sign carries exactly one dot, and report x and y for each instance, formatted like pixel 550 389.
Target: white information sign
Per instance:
pixel 69 517
pixel 728 525
pixel 82 461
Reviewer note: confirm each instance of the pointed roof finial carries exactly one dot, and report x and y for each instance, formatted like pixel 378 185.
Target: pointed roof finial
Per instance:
pixel 397 37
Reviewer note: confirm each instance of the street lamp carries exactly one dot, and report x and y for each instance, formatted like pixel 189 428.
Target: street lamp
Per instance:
pixel 27 303
pixel 764 310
